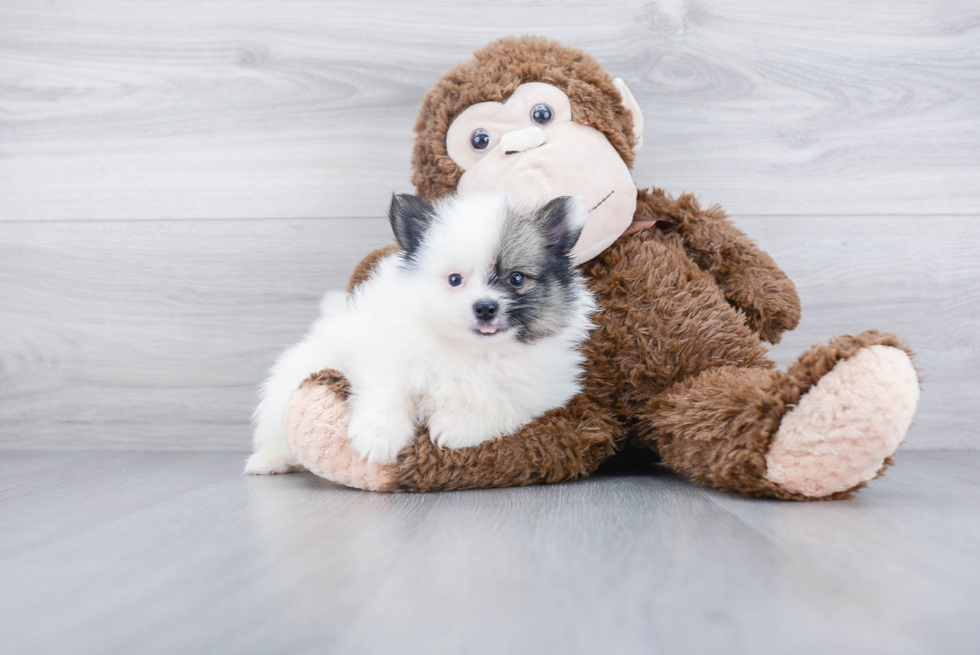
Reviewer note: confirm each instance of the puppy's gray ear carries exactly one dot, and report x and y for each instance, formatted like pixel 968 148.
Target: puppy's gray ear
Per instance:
pixel 410 217
pixel 562 220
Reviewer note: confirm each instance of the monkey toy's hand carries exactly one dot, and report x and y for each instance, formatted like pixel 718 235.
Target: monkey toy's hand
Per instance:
pixel 749 278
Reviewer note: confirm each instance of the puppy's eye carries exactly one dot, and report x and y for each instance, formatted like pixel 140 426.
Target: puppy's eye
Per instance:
pixel 480 139
pixel 541 114
pixel 455 280
pixel 516 279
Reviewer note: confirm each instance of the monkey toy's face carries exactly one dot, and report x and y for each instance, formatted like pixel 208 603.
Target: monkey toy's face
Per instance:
pixel 530 147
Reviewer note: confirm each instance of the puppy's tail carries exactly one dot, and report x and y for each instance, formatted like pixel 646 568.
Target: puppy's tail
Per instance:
pixel 333 303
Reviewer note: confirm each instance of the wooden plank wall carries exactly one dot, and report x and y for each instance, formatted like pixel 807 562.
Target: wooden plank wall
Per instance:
pixel 180 181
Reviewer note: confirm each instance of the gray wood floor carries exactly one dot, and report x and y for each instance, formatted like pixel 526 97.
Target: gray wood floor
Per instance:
pixel 178 553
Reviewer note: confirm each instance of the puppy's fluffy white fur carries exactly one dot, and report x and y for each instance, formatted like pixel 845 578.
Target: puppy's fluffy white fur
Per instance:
pixel 413 349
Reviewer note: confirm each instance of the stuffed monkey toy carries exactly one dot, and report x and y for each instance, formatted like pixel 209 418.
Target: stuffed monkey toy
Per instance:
pixel 676 367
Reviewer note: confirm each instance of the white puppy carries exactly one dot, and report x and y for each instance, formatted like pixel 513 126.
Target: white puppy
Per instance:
pixel 474 330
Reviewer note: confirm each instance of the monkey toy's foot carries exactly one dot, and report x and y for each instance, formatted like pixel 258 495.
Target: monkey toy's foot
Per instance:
pixel 844 428
pixel 315 426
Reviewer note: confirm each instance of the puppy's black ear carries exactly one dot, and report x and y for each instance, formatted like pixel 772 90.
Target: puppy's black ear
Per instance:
pixel 562 220
pixel 410 217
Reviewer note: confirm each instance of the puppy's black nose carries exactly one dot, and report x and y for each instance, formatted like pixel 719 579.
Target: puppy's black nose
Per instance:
pixel 485 309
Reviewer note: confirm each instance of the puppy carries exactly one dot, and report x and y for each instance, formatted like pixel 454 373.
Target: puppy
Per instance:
pixel 473 330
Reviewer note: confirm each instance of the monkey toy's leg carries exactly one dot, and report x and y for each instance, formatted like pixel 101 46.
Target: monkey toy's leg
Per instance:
pixel 724 416
pixel 818 431
pixel 702 392
pixel 565 444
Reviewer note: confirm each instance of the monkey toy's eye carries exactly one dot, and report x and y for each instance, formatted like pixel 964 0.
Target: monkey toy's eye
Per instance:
pixel 455 280
pixel 516 279
pixel 480 139
pixel 541 114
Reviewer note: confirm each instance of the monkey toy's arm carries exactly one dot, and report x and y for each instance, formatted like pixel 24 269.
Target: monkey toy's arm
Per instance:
pixel 364 269
pixel 749 277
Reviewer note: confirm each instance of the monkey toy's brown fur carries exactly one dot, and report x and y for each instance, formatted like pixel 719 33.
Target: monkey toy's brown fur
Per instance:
pixel 676 364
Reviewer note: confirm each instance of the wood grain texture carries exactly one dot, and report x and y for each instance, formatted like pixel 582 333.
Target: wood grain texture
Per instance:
pixel 155 334
pixel 255 109
pixel 651 564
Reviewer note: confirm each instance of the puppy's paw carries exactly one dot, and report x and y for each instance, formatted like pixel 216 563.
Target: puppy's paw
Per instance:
pixel 449 430
pixel 269 462
pixel 377 437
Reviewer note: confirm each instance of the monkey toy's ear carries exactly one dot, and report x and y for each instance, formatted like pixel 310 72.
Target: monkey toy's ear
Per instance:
pixel 634 109
pixel 410 217
pixel 562 220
